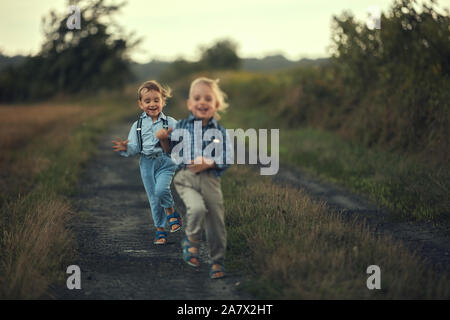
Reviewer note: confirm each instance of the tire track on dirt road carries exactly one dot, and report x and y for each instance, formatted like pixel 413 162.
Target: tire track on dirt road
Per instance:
pixel 430 242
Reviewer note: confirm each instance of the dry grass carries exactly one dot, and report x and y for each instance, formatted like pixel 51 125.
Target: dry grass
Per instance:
pixel 35 243
pixel 34 239
pixel 19 124
pixel 294 248
pixel 43 149
pixel 25 132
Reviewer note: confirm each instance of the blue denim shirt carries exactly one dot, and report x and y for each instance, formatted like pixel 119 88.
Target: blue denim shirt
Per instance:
pixel 227 152
pixel 150 144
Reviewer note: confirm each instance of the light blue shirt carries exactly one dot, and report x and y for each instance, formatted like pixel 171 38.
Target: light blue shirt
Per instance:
pixel 150 144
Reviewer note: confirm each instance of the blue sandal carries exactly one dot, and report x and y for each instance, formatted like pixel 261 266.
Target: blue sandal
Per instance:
pixel 160 235
pixel 176 222
pixel 187 255
pixel 214 272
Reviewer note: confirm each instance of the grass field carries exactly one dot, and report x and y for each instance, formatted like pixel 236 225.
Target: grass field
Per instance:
pixel 409 188
pixel 293 248
pixel 412 186
pixel 47 145
pixel 288 246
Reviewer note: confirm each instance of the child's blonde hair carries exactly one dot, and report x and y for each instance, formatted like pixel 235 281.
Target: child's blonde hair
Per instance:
pixel 214 86
pixel 165 91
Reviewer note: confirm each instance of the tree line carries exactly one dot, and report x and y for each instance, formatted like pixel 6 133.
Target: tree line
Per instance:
pixel 73 61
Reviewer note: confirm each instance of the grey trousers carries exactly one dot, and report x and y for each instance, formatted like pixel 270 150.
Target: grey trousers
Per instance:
pixel 202 196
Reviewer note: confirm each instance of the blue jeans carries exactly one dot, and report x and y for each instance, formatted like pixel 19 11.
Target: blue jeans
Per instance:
pixel 157 174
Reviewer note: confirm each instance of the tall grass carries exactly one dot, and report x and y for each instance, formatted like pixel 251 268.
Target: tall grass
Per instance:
pixel 35 244
pixel 294 248
pixel 315 135
pixel 45 147
pixel 411 189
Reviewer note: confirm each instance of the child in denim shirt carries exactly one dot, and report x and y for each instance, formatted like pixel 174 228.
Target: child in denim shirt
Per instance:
pixel 156 166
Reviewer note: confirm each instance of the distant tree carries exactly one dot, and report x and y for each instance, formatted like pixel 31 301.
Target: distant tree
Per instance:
pixel 6 61
pixel 71 61
pixel 222 55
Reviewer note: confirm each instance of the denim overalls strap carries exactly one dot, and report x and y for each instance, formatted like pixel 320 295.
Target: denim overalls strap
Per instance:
pixel 139 130
pixel 139 133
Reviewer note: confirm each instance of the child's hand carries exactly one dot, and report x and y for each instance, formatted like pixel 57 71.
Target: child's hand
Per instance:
pixel 204 165
pixel 163 134
pixel 119 145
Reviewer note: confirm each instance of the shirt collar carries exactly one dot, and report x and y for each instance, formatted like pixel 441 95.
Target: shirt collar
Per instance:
pixel 212 121
pixel 161 116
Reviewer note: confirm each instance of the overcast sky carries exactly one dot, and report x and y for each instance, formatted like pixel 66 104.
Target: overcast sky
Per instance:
pixel 176 28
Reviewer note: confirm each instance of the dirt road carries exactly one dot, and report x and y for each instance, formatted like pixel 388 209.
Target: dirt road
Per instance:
pixel 115 232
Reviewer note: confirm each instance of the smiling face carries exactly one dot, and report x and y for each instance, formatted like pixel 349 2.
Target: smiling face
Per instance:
pixel 152 103
pixel 202 102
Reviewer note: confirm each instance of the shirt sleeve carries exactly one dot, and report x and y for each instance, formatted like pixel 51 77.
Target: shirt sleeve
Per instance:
pixel 172 122
pixel 132 146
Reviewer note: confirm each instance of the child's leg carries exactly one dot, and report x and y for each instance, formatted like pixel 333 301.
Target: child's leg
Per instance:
pixel 214 219
pixel 148 178
pixel 164 177
pixel 187 185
